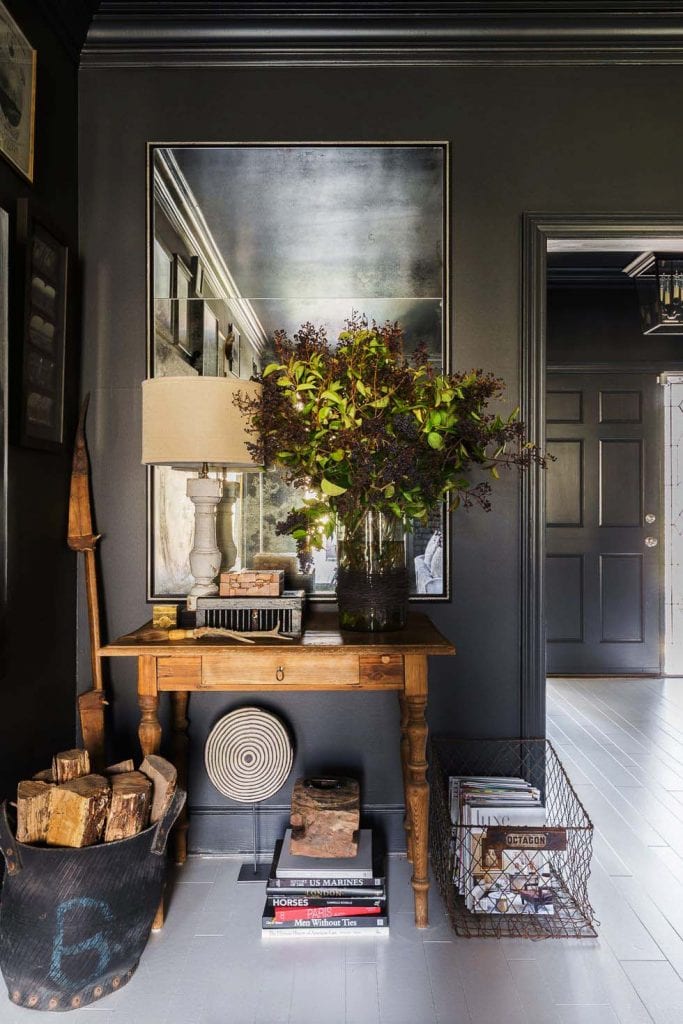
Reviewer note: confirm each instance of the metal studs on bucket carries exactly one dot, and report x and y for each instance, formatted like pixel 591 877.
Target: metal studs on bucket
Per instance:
pixel 248 755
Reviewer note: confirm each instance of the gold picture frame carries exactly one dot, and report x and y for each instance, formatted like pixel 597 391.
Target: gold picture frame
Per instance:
pixel 17 95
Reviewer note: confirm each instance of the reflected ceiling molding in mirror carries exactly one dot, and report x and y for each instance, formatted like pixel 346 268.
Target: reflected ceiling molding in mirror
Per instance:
pixel 178 213
pixel 249 238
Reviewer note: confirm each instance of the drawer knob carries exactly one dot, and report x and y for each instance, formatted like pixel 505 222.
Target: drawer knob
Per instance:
pixel 280 673
pixel 385 659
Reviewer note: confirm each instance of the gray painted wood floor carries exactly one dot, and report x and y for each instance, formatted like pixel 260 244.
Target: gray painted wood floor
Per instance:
pixel 622 744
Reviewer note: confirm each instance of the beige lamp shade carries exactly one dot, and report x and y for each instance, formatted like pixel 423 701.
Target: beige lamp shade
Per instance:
pixel 187 421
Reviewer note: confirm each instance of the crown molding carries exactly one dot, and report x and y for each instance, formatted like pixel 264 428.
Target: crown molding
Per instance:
pixel 69 20
pixel 548 32
pixel 588 277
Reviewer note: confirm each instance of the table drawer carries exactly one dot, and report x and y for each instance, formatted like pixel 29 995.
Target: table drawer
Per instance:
pixel 271 670
pixel 303 670
pixel 381 671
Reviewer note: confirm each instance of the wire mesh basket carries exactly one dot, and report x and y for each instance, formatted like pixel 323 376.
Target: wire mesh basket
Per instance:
pixel 499 877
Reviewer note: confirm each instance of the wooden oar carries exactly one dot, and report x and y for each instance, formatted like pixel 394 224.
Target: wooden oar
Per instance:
pixel 81 538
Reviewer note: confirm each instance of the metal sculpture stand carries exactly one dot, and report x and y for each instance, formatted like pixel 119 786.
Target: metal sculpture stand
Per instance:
pixel 254 872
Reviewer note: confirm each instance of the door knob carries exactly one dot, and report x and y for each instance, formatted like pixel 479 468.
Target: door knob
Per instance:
pixel 651 542
pixel 650 518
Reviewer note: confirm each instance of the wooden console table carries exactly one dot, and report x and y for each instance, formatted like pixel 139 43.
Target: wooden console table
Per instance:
pixel 323 659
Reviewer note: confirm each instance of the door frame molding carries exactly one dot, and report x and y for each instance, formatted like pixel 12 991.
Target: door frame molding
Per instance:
pixel 538 230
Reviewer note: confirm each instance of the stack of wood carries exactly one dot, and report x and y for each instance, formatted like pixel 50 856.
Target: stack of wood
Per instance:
pixel 66 805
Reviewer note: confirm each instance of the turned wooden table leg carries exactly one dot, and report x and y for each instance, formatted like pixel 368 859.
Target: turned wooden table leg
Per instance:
pixel 405 747
pixel 179 703
pixel 149 732
pixel 417 787
pixel 149 729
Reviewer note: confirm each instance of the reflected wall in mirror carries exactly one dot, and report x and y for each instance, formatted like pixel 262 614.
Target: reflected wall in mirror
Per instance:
pixel 247 239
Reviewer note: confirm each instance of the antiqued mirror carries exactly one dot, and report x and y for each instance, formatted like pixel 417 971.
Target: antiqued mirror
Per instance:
pixel 246 239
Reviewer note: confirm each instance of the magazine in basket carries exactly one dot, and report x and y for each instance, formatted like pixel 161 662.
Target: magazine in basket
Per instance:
pixel 492 878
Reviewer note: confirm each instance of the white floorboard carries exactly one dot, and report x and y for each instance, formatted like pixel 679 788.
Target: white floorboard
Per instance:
pixel 622 744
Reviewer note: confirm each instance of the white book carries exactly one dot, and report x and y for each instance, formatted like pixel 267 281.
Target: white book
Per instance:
pixel 292 865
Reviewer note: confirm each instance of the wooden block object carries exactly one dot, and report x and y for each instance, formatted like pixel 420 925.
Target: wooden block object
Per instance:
pixel 252 583
pixel 325 817
pixel 131 799
pixel 45 776
pixel 70 764
pixel 163 777
pixel 78 811
pixel 121 768
pixel 33 810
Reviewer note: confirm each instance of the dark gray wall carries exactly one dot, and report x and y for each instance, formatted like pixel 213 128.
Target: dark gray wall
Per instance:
pixel 551 139
pixel 39 670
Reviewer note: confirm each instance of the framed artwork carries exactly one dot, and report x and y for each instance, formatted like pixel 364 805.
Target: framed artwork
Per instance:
pixel 4 346
pixel 17 95
pixel 288 233
pixel 45 295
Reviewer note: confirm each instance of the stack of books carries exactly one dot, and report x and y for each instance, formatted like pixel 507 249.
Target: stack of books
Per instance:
pixel 325 894
pixel 488 813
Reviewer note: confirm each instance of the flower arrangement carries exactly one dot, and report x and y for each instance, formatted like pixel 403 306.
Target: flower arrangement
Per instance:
pixel 368 429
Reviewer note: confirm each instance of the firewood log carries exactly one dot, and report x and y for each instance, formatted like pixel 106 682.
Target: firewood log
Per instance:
pixel 33 810
pixel 78 811
pixel 131 798
pixel 70 764
pixel 121 767
pixel 163 776
pixel 45 776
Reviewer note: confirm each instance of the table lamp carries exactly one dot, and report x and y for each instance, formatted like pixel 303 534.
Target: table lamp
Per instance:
pixel 193 423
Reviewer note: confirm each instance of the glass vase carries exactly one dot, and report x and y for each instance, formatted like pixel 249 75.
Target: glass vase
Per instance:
pixel 372 579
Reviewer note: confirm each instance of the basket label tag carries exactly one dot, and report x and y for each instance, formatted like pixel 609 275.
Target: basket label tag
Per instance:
pixel 500 837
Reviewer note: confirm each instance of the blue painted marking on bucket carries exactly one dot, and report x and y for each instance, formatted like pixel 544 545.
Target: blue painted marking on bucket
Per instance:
pixel 97 941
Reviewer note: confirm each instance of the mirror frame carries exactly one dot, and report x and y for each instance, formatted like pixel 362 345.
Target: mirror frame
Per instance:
pixel 446 353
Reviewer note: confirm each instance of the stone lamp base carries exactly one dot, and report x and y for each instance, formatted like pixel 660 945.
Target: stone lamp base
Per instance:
pixel 205 557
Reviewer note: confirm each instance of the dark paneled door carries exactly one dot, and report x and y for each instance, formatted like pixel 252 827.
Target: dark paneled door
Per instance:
pixel 604 530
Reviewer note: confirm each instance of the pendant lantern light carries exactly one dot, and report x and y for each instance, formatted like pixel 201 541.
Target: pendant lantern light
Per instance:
pixel 659 280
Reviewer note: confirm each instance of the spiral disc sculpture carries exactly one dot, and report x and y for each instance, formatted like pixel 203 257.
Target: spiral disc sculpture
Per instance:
pixel 248 755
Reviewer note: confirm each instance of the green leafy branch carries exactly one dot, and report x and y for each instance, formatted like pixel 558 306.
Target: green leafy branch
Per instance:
pixel 367 428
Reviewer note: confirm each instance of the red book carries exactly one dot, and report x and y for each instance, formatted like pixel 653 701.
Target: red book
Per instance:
pixel 310 913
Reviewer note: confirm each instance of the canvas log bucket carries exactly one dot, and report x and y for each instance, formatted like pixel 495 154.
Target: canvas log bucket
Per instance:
pixel 74 922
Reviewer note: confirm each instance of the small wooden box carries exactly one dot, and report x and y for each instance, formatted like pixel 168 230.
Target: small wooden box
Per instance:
pixel 164 616
pixel 252 583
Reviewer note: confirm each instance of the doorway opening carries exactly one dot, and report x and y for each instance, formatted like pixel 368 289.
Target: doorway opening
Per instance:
pixel 595 538
pixel 672 386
